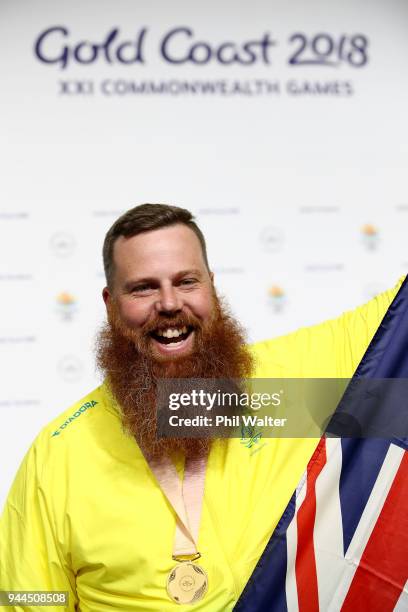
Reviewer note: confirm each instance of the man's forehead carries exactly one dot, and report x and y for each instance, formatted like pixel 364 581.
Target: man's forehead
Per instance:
pixel 176 243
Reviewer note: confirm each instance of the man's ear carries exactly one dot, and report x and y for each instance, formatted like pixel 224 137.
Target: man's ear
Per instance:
pixel 106 296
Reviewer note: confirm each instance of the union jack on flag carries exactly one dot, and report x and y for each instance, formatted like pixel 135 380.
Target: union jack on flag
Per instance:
pixel 342 542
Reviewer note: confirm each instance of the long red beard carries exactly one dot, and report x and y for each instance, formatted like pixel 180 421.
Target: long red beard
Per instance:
pixel 124 355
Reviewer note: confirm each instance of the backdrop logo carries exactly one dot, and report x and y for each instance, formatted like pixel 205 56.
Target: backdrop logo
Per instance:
pixel 66 306
pixel 370 236
pixel 62 244
pixel 182 45
pixel 177 46
pixel 272 239
pixel 70 368
pixel 277 298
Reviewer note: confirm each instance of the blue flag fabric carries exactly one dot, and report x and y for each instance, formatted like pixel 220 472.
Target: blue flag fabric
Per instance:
pixel 342 541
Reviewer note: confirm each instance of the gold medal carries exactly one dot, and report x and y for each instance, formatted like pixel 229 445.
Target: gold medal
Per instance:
pixel 187 583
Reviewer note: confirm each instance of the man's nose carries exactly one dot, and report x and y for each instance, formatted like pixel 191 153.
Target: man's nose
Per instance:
pixel 168 300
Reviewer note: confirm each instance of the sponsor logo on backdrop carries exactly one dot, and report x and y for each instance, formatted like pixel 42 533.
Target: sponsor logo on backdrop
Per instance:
pixel 271 239
pixel 66 306
pixel 18 339
pixel 19 403
pixel 108 213
pixel 62 244
pixel 277 298
pixel 309 209
pixel 220 210
pixel 324 267
pixel 16 276
pixel 16 215
pixel 70 368
pixel 370 236
pixel 228 270
pixel 59 46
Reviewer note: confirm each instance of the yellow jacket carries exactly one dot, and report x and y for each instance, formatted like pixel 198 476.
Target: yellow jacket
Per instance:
pixel 85 514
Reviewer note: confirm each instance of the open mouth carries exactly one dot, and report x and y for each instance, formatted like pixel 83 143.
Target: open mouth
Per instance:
pixel 172 336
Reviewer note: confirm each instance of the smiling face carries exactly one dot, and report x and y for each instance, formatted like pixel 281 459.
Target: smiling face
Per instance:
pixel 163 288
pixel 165 321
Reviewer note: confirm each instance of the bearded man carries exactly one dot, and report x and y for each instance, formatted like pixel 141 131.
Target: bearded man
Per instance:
pixel 164 320
pixel 120 519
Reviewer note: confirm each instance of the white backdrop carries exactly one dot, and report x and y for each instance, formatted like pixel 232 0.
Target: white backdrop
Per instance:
pixel 286 136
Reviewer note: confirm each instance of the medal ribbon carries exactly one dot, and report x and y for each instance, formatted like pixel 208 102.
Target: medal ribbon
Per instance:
pixel 186 499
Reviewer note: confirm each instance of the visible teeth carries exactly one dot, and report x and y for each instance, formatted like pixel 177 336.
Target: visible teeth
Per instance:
pixel 171 332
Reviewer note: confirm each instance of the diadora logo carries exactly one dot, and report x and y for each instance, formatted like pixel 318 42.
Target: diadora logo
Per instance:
pixel 74 416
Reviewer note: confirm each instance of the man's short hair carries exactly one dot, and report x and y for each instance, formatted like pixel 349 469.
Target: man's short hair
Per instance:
pixel 145 218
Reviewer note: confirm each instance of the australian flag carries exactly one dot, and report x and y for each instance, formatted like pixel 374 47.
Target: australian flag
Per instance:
pixel 342 542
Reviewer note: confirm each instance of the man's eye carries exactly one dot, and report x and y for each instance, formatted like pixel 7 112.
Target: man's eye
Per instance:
pixel 188 281
pixel 141 288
